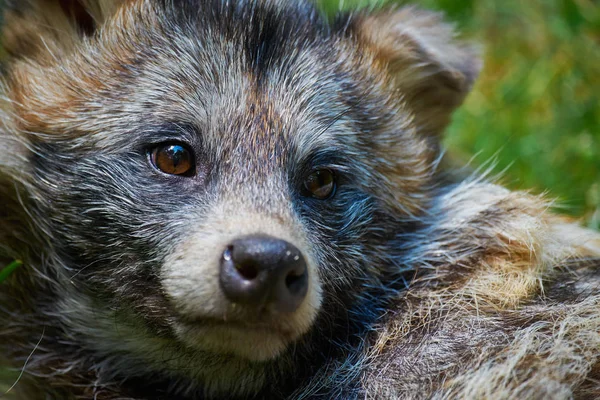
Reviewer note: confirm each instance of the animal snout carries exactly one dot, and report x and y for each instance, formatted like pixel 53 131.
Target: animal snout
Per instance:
pixel 261 270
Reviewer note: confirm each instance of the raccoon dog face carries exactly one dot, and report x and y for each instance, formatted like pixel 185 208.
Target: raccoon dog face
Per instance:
pixel 225 180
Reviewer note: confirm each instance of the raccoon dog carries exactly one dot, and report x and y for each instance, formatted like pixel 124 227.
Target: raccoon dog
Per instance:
pixel 241 199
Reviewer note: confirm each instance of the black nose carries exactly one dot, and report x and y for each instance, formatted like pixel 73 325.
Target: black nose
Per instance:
pixel 260 270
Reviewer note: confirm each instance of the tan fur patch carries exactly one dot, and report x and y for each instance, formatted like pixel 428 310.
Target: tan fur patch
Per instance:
pixel 547 360
pixel 430 70
pixel 55 90
pixel 490 331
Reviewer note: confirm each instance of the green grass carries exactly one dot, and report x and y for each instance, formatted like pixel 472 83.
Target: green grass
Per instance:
pixel 5 272
pixel 536 106
pixel 7 375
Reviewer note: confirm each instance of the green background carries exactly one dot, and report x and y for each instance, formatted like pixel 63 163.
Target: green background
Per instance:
pixel 535 110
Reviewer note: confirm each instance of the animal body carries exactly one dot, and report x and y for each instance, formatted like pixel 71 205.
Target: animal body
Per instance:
pixel 219 199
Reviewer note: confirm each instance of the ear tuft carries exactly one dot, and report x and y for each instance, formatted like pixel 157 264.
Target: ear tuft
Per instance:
pixel 429 68
pixel 38 28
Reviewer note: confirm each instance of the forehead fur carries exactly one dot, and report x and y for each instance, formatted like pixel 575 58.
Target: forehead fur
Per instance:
pixel 270 74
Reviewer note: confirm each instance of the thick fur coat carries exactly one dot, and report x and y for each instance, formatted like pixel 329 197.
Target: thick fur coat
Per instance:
pixel 418 284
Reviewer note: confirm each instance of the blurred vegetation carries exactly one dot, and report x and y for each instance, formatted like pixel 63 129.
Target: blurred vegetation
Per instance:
pixel 536 106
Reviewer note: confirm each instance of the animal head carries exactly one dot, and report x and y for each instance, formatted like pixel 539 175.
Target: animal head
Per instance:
pixel 222 179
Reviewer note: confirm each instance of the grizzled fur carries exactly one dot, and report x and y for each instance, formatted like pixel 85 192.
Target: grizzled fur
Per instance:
pixel 420 287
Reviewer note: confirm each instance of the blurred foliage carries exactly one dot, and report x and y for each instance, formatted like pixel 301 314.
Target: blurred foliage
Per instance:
pixel 536 106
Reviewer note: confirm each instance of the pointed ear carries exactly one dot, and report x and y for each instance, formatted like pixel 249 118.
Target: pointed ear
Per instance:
pixel 34 27
pixel 430 70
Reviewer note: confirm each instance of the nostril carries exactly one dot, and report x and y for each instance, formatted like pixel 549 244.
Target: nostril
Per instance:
pixel 295 279
pixel 247 271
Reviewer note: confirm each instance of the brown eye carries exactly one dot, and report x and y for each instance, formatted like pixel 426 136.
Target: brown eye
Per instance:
pixel 320 184
pixel 173 159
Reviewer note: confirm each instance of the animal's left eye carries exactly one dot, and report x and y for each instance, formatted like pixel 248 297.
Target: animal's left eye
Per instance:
pixel 320 184
pixel 173 159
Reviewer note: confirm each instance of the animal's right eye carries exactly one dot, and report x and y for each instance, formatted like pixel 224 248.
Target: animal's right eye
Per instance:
pixel 173 159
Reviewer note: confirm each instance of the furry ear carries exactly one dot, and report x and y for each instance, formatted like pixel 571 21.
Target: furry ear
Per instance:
pixel 431 71
pixel 34 27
